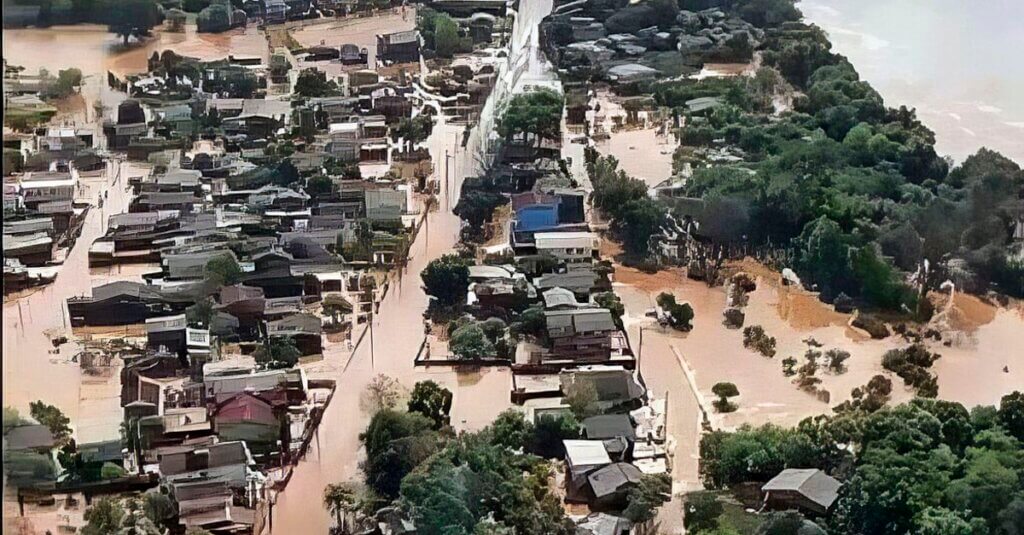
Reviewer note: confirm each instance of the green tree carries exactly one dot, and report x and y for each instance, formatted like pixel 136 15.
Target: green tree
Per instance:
pixel 395 443
pixel 223 270
pixel 536 113
pixel 680 315
pixel 134 18
pixel 201 313
pixel 639 221
pixel 313 82
pixel 614 305
pixel 469 342
pixel 724 391
pixel 1011 413
pixel 789 523
pixel 320 186
pixel 446 36
pixel 342 500
pixel 433 401
pixel 111 471
pixel 582 398
pixel 531 322
pixel 104 517
pixel 446 279
pixel 548 433
pixel 53 419
pixel 701 512
pixel 511 430
pixel 823 256
pixel 278 352
pixel 214 18
pixel 477 207
pixel 644 499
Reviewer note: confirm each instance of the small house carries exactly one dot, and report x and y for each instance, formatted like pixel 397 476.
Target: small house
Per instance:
pixel 575 249
pixel 610 485
pixel 808 489
pixel 580 333
pixel 399 47
pixel 582 457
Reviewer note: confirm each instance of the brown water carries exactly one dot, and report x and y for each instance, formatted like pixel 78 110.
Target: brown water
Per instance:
pixel 30 372
pixel 969 372
pixel 397 334
pixel 92 49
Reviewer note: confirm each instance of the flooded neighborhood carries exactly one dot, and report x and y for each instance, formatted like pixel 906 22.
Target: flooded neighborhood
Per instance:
pixel 509 267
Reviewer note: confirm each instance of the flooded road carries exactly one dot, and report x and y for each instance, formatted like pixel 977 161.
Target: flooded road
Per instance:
pixel 30 372
pixel 955 61
pixel 398 325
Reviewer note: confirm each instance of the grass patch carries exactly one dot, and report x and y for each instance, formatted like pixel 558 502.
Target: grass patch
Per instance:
pixel 734 513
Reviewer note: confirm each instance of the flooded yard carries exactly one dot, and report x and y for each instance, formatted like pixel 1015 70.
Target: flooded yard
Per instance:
pixel 643 146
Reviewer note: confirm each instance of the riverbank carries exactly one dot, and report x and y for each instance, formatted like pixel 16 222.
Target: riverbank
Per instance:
pixel 969 95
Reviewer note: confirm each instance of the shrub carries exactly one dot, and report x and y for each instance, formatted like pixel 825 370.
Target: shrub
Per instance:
pixel 755 338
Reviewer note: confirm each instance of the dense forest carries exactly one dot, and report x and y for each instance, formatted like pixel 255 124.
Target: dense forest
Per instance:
pixel 818 163
pixel 925 467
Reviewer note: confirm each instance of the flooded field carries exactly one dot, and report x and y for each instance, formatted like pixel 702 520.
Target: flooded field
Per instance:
pixel 94 50
pixel 971 370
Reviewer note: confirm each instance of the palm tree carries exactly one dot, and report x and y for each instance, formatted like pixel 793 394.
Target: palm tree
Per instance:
pixel 341 499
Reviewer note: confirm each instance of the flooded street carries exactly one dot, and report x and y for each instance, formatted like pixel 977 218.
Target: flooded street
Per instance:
pixel 398 328
pixel 30 371
pixel 644 150
pixel 950 59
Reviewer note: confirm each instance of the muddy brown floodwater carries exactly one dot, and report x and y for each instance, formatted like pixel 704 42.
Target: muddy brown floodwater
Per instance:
pixel 30 371
pixel 970 371
pixel 397 334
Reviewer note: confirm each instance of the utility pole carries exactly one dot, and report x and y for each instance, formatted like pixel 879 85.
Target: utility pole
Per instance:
pixel 447 196
pixel 371 335
pixel 640 348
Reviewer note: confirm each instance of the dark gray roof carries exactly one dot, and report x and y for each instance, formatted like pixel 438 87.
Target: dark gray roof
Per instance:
pixel 570 322
pixel 811 483
pixel 610 479
pixel 609 426
pixel 603 524
pixel 99 452
pixel 29 437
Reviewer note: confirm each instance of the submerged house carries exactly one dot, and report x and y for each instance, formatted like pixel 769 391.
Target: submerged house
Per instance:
pixel 125 303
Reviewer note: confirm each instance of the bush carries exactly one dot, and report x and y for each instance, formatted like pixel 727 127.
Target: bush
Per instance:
pixel 447 279
pixel 679 315
pixel 724 391
pixel 755 338
pixel 912 364
pixel 469 342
